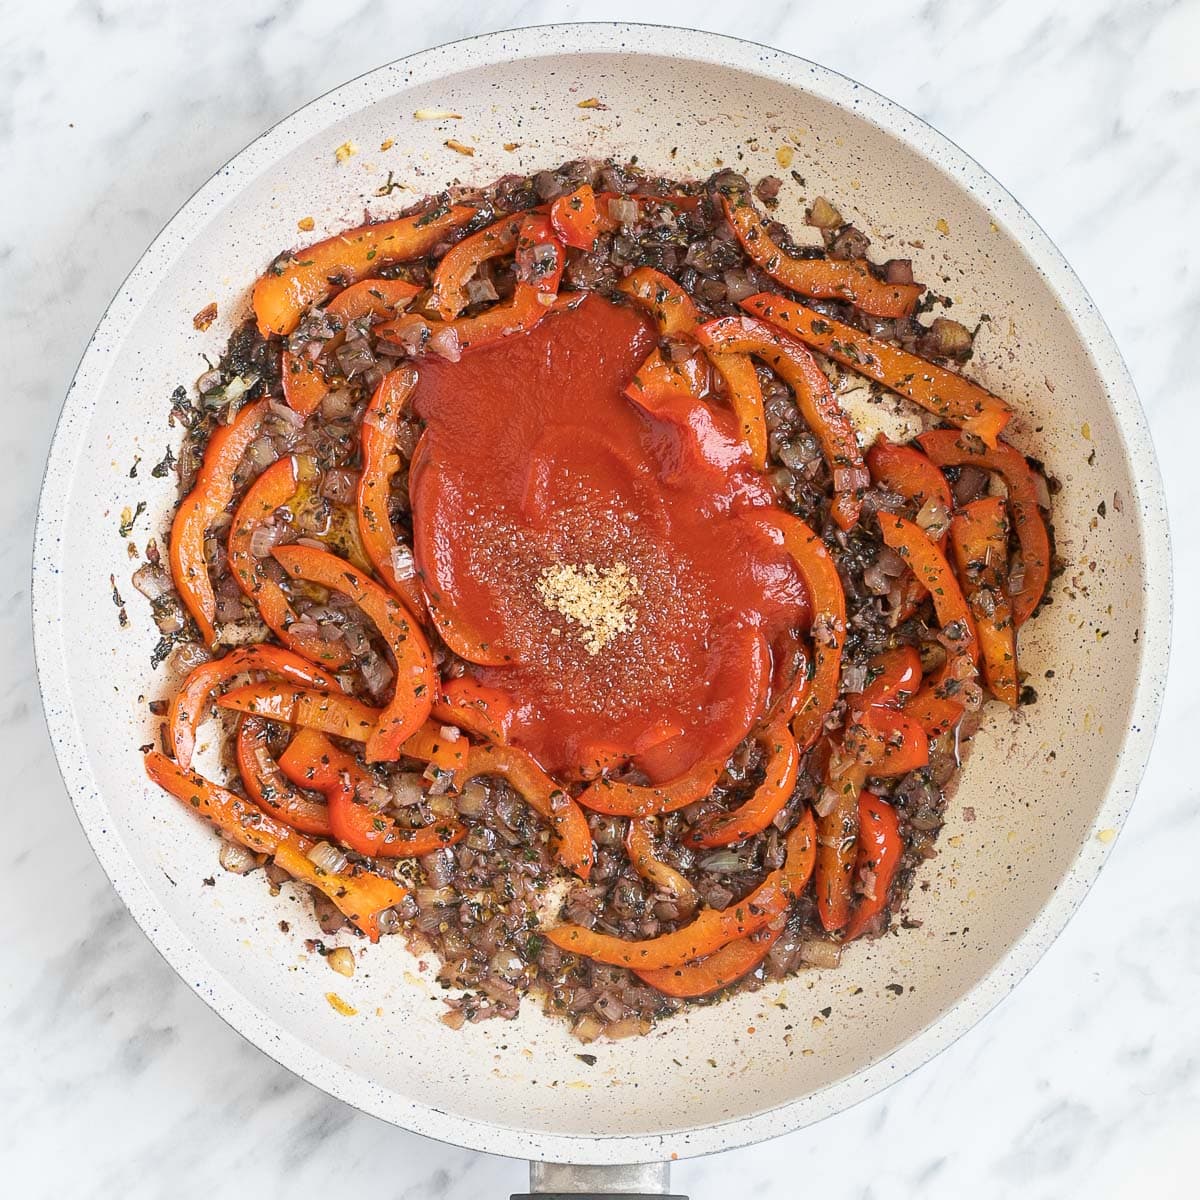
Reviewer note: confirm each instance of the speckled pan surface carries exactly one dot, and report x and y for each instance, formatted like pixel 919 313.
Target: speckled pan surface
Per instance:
pixel 1046 788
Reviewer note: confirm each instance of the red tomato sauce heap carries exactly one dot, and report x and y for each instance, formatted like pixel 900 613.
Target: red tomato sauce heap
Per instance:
pixel 590 559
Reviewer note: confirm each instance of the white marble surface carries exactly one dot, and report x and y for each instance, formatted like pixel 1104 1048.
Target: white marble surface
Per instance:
pixel 117 1082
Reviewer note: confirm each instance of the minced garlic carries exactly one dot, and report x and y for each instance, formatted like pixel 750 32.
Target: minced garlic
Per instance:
pixel 598 601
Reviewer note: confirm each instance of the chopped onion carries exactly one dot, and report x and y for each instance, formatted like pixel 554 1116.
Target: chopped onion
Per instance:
pixel 623 211
pixel 823 215
pixel 151 581
pixel 817 952
pixel 339 485
pixel 480 291
pixel 261 452
pixel 854 677
pixel 472 801
pixel 450 732
pixel 328 858
pixel 373 795
pixel 444 343
pixel 407 789
pixel 236 859
pixel 376 674
pixel 429 897
pixel 738 285
pixel 628 1027
pixel 721 860
pixel 355 356
pixel 589 1027
pixel 934 517
pixel 850 479
pixel 341 960
pixel 264 538
pixel 402 562
pixel 826 801
pixel 337 404
pixel 287 415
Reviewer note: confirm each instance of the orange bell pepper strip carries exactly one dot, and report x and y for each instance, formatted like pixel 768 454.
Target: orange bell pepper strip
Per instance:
pixel 209 497
pixel 432 745
pixel 329 712
pixel 945 393
pixel 888 743
pixel 880 848
pixel 893 676
pixel 672 309
pixel 379 298
pixel 360 895
pixel 929 565
pixel 711 929
pixel 948 450
pixel 676 316
pixel 282 295
pixel 635 800
pixel 533 298
pixel 908 472
pixel 718 970
pixel 837 841
pixel 936 714
pixel 831 427
pixel 416 678
pixel 979 541
pixel 380 461
pixel 461 262
pixel 190 702
pixel 484 711
pixel 269 788
pixel 277 486
pixel 304 385
pixel 823 278
pixel 807 702
pixel 576 219
pixel 779 782
pixel 660 380
pixel 544 796
pixel 312 760
pixel 639 846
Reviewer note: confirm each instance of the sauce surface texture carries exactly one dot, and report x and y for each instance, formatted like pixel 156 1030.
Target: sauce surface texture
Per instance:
pixel 588 557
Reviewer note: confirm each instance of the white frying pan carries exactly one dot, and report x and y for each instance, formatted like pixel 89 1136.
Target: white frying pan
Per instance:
pixel 1048 787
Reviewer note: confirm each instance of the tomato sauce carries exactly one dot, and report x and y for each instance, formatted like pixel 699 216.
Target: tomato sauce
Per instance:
pixel 588 557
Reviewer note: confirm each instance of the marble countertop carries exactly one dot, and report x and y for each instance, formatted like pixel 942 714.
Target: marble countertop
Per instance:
pixel 117 1081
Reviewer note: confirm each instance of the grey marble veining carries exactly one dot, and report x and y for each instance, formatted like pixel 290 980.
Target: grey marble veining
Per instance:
pixel 118 1082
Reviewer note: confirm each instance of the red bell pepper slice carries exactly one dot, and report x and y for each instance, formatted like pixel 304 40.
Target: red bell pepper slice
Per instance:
pixel 949 395
pixel 361 895
pixel 209 497
pixel 892 677
pixel 304 385
pixel 269 788
pixel 416 678
pixel 312 760
pixel 886 742
pixel 908 472
pixel 823 278
pixel 282 295
pixel 576 219
pixel 672 309
pixel 639 846
pixel 711 929
pixel 188 707
pixel 880 848
pixel 718 970
pixel 276 487
pixel 779 782
pixel 831 427
pixel 660 380
pixel 929 565
pixel 935 714
pixel 329 712
pixel 634 800
pixel 551 802
pixel 462 261
pixel 380 461
pixel 809 701
pixel 947 449
pixel 979 540
pixel 379 298
pixel 484 711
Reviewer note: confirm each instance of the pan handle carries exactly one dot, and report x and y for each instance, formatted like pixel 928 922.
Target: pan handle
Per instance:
pixel 611 1181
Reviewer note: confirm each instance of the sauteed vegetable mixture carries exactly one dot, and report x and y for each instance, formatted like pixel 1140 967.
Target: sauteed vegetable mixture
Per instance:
pixel 537 598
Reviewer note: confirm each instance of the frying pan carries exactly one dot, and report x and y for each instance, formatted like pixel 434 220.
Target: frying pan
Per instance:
pixel 1044 791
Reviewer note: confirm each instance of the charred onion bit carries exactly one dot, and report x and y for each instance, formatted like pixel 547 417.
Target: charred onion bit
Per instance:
pixel 416 679
pixel 814 398
pixel 821 278
pixel 208 499
pixel 308 276
pixel 949 449
pixel 942 392
pixel 361 895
